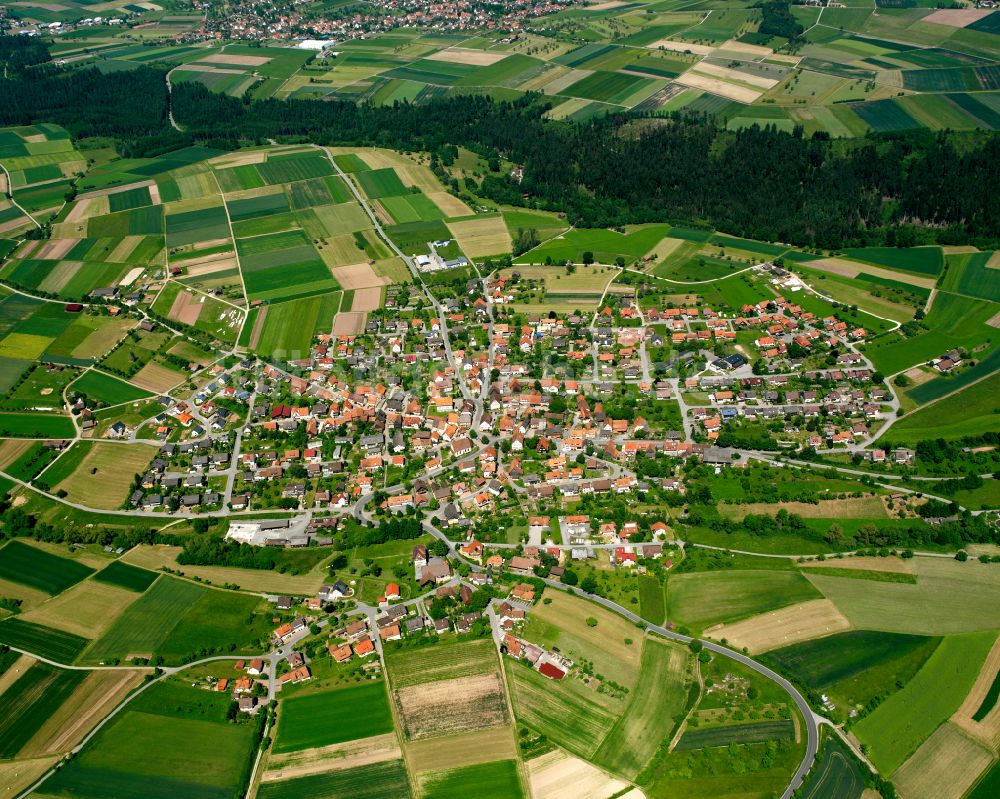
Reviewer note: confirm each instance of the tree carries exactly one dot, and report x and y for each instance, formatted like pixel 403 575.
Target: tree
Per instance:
pixel 570 577
pixel 587 258
pixel 589 584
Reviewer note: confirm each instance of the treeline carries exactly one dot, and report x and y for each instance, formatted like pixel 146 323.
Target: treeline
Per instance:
pixel 16 522
pixel 778 20
pixel 354 535
pixel 954 532
pixel 17 53
pixel 895 190
pixel 218 552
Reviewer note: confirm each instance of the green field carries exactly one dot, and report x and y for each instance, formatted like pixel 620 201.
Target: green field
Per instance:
pixel 222 620
pixel 386 780
pixel 36 568
pixel 652 605
pixel 282 266
pixel 378 183
pixel 321 719
pixel 126 576
pixel 701 600
pixel 30 701
pixel 952 322
pixel 289 327
pixel 148 621
pixel 969 275
pixel 35 425
pixel 920 260
pixel 151 756
pixel 856 666
pixel 907 718
pixel 608 87
pixel 606 245
pixel 107 389
pixel 496 780
pixel 989 786
pixel 193 227
pixel 38 639
pixel 970 412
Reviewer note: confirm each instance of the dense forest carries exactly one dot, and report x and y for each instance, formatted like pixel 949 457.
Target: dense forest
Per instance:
pixel 896 190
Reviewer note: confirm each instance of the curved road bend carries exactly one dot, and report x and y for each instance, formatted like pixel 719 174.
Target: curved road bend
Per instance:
pixel 811 720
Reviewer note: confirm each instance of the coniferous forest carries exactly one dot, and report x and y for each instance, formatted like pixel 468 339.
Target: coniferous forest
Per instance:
pixel 886 189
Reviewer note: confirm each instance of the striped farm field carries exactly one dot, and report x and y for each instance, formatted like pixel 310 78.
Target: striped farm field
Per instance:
pixel 387 780
pixel 57 645
pixel 566 715
pixel 440 662
pixel 754 732
pixel 29 702
pixel 906 719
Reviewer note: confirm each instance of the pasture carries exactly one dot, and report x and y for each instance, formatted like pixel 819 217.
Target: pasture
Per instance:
pixel 106 389
pixel 966 413
pixel 289 327
pixel 702 600
pixel 563 623
pixel 103 478
pixel 496 780
pixel 946 598
pixel 87 609
pixel 605 245
pixel 35 568
pixel 147 622
pixel 35 425
pixel 178 756
pixel 223 620
pixel 906 719
pixel 652 599
pixel 313 720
